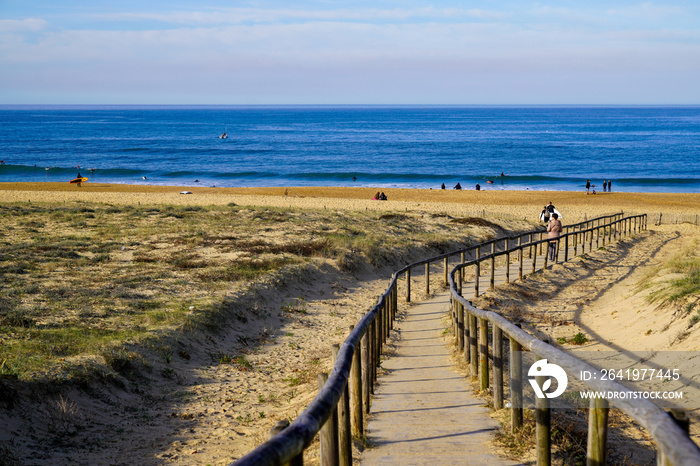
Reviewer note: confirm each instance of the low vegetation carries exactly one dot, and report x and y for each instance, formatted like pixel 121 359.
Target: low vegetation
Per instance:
pixel 84 281
pixel 676 284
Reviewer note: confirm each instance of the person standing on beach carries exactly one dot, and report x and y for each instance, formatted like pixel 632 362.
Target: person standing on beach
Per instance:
pixel 609 185
pixel 605 185
pixel 588 186
pixel 554 229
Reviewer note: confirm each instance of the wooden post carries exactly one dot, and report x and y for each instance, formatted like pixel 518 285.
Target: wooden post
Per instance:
pixel 473 351
pixel 343 410
pixel 556 252
pixel 542 427
pixel 447 266
pixel 497 367
pixel 493 265
pixel 516 386
pixel 380 331
pixel 387 319
pixel 460 326
pixel 461 274
pixel 484 353
pixel 534 261
pixel 394 303
pixel 507 262
pixel 356 391
pixel 460 280
pixel 408 285
pixel 366 371
pixel 373 353
pixel 329 432
pixel 530 241
pixel 427 278
pixel 276 429
pixel 520 257
pixel 605 229
pixel 597 432
pixel 466 337
pixel 566 248
pixel 477 272
pixel 546 256
pixel 455 318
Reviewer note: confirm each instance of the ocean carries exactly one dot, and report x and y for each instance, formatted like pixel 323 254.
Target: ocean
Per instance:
pixel 640 149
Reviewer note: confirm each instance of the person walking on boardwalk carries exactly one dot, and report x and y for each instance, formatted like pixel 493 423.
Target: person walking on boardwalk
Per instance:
pixel 554 229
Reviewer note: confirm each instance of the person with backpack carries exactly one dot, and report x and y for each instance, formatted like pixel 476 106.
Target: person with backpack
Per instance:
pixel 554 229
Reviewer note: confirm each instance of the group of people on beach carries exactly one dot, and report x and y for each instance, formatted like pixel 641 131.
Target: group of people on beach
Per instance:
pixel 607 185
pixel 380 196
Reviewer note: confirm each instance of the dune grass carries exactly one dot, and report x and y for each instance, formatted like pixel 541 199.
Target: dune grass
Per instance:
pixel 676 283
pixel 81 280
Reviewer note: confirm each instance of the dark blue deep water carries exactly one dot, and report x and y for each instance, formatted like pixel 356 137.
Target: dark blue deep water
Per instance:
pixel 641 149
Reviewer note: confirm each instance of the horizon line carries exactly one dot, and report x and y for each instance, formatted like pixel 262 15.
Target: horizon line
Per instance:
pixel 572 105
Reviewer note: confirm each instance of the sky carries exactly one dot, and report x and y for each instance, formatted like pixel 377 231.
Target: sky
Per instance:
pixel 488 52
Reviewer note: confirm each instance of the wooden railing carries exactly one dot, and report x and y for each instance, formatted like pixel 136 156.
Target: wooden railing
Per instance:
pixel 345 395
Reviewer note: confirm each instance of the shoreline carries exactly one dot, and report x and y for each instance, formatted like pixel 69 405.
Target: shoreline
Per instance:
pixel 519 204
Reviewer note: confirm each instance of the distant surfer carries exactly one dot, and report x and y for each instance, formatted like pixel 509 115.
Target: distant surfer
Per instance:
pixel 79 178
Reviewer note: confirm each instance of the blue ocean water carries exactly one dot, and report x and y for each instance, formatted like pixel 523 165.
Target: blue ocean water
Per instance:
pixel 641 149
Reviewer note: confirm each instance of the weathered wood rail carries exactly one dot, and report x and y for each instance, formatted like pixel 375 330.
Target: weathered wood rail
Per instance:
pixel 345 395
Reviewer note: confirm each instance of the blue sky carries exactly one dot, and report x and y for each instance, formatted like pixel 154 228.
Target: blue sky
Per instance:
pixel 355 52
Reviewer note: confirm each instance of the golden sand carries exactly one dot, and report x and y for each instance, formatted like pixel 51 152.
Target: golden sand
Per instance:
pixel 574 206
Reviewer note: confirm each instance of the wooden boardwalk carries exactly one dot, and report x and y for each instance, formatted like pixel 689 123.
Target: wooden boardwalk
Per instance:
pixel 423 411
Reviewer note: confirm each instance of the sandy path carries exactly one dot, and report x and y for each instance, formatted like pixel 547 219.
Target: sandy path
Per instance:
pixel 598 295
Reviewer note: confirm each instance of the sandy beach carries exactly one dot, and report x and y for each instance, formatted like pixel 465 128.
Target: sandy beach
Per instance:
pixel 574 206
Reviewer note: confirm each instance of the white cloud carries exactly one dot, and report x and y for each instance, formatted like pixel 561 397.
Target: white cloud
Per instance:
pixel 306 55
pixel 22 26
pixel 288 15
